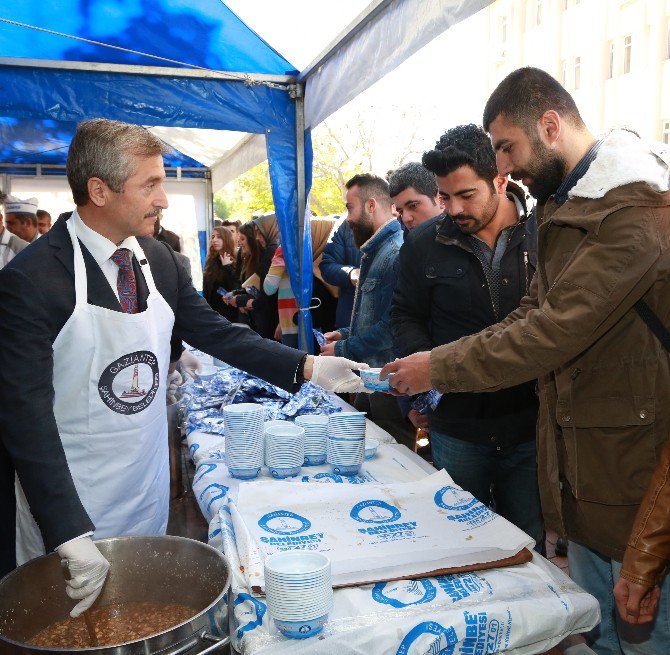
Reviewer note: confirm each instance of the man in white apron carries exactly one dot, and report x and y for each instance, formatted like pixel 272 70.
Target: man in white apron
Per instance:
pixel 86 317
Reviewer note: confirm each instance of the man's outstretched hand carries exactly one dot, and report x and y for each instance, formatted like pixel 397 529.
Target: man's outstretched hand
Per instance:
pixel 411 374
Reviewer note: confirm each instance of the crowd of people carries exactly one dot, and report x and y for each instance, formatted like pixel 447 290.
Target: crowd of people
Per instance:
pixel 525 332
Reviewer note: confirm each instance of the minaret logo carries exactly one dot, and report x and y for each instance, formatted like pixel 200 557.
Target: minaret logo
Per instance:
pixel 134 391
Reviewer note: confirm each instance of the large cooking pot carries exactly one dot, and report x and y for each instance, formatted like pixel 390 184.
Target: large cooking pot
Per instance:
pixel 143 569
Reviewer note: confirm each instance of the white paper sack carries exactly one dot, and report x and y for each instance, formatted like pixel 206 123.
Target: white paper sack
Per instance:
pixel 522 610
pixel 212 475
pixel 374 531
pixel 204 445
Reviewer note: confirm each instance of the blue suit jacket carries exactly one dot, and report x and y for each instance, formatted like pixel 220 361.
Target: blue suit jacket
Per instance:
pixel 36 299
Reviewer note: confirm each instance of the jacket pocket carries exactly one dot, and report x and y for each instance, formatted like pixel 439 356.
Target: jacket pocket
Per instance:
pixel 609 440
pixel 367 306
pixel 450 285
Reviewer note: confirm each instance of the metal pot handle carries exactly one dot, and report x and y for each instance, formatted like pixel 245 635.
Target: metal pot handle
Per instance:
pixel 219 642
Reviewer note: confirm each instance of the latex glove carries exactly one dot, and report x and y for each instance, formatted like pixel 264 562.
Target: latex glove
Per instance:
pixel 174 381
pixel 88 570
pixel 189 364
pixel 337 374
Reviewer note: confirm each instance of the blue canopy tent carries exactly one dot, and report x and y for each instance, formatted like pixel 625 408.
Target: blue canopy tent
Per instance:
pixel 175 63
pixel 195 64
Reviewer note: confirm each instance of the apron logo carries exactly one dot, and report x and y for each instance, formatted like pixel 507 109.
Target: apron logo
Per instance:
pixel 129 384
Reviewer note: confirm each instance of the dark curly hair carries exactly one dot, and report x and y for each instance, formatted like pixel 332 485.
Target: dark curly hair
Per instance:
pixel 464 145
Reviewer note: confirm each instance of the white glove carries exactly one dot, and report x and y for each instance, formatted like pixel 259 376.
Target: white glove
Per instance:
pixel 174 381
pixel 336 374
pixel 88 570
pixel 189 364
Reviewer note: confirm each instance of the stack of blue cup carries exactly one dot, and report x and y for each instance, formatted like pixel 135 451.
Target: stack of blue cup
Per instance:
pixel 284 448
pixel 346 442
pixel 316 433
pixel 298 591
pixel 244 439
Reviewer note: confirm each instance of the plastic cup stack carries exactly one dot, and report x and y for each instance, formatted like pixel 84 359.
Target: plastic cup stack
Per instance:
pixel 298 591
pixel 284 448
pixel 244 439
pixel 316 437
pixel 346 442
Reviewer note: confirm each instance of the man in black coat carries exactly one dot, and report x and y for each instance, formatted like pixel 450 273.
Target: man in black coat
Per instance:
pixel 460 273
pixel 116 174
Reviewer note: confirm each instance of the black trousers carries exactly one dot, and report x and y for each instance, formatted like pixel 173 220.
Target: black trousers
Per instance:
pixel 7 515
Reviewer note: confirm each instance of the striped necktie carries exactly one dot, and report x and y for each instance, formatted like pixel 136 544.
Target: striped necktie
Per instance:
pixel 125 281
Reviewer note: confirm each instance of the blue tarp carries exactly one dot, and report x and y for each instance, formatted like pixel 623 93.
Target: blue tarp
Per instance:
pixel 172 33
pixel 47 142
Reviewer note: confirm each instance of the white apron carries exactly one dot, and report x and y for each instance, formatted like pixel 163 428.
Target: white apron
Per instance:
pixel 109 379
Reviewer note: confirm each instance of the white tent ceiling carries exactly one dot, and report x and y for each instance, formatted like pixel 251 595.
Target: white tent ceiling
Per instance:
pixel 384 35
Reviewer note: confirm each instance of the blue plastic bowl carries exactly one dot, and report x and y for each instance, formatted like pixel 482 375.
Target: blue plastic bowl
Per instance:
pixel 370 379
pixel 244 474
pixel 301 629
pixel 314 460
pixel 281 472
pixel 346 469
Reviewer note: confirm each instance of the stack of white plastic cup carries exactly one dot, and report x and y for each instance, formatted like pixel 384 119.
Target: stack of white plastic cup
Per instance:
pixel 346 442
pixel 284 448
pixel 298 591
pixel 316 433
pixel 244 439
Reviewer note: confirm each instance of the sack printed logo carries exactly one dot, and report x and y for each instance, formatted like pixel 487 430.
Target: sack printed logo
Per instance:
pixel 429 638
pixel 284 522
pixel 470 512
pixel 374 511
pixel 404 593
pixel 454 499
pixel 129 384
pixel 482 635
pixel 463 585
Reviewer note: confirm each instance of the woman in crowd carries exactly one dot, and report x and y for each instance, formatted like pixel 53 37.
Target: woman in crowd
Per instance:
pixel 324 296
pixel 259 240
pixel 219 274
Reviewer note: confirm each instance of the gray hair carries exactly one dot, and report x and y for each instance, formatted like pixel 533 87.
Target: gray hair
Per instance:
pixel 103 148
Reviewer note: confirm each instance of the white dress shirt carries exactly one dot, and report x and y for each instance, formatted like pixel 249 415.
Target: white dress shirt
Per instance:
pixel 101 248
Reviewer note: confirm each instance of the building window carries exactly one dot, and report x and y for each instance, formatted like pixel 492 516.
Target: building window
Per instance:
pixel 502 27
pixel 610 61
pixel 665 132
pixel 538 12
pixel 627 48
pixel 578 72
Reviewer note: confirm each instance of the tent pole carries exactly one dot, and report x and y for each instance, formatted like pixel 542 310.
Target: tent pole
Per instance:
pixel 299 98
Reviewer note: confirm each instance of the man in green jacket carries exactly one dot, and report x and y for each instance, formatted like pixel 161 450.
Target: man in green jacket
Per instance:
pixel 604 378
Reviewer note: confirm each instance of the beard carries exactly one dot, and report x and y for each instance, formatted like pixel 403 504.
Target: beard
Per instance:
pixel 546 169
pixel 362 229
pixel 475 224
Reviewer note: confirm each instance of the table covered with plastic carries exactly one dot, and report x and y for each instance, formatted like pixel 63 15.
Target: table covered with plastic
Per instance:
pixel 519 610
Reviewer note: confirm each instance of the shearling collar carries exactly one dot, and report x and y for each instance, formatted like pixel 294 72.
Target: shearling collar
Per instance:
pixel 624 158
